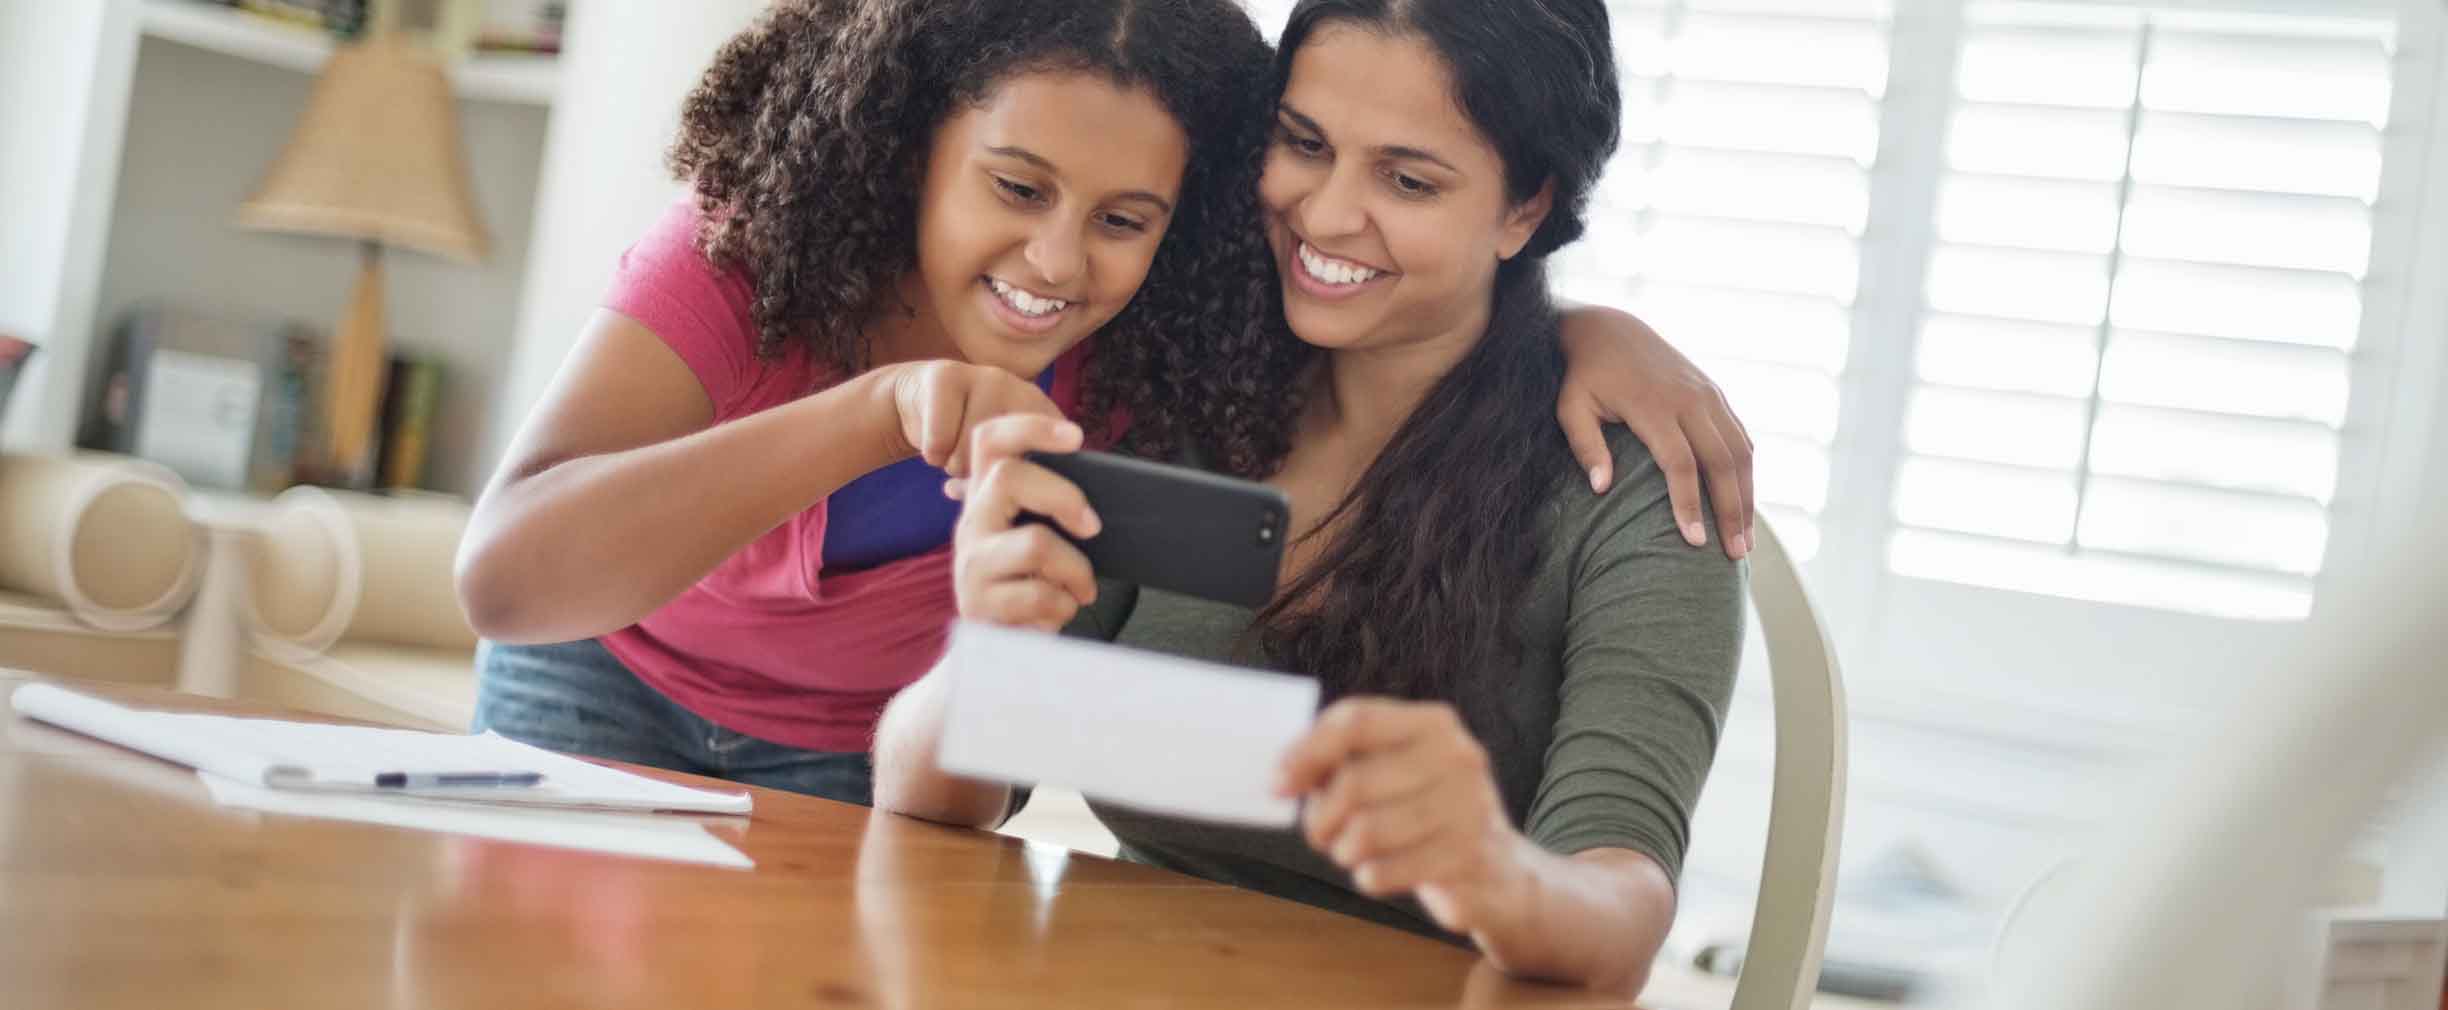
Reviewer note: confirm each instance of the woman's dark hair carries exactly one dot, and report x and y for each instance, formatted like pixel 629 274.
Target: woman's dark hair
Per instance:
pixel 808 139
pixel 1418 594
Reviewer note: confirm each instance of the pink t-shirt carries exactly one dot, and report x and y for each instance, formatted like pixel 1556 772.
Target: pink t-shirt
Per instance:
pixel 763 645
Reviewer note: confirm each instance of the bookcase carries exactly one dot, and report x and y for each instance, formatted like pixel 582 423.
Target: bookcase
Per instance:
pixel 159 118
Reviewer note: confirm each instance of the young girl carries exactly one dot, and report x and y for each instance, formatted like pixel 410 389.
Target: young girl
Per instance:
pixel 1526 682
pixel 906 217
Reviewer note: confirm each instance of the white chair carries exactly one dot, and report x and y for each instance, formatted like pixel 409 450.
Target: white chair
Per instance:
pixel 1780 965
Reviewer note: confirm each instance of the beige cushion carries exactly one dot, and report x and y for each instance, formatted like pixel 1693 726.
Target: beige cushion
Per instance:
pixel 105 538
pixel 333 567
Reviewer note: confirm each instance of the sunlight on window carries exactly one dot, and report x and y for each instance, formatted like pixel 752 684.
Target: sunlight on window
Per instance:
pixel 2028 213
pixel 2034 505
pixel 2039 286
pixel 2007 355
pixel 2102 578
pixel 1833 192
pixel 1776 400
pixel 2244 453
pixel 1758 117
pixel 2204 524
pixel 1806 51
pixel 2323 310
pixel 2044 66
pixel 2250 229
pixel 2246 76
pixel 2227 376
pixel 1796 330
pixel 2041 431
pixel 1741 254
pixel 2056 143
pixel 2272 155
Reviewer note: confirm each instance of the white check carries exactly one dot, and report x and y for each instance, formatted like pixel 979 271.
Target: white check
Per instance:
pixel 1141 729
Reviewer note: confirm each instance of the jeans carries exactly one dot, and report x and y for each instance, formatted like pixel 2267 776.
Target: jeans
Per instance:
pixel 576 698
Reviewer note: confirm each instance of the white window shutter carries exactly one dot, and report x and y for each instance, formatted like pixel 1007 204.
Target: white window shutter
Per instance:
pixel 2139 316
pixel 1732 219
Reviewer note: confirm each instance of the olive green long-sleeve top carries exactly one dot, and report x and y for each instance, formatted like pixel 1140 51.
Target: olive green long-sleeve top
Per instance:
pixel 1631 638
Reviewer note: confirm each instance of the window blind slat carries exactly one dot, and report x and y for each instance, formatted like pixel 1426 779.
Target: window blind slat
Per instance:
pixel 2019 428
pixel 2100 576
pixel 2048 287
pixel 2258 153
pixel 2035 140
pixel 2235 453
pixel 2227 376
pixel 2203 524
pixel 2028 213
pixel 2249 229
pixel 2246 303
pixel 2007 355
pixel 2304 78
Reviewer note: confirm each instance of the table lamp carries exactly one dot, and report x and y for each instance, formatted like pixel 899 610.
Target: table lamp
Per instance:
pixel 375 158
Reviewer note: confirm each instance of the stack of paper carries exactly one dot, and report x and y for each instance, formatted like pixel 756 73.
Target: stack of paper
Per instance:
pixel 343 772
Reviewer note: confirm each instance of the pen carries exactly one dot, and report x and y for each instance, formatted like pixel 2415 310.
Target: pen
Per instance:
pixel 420 780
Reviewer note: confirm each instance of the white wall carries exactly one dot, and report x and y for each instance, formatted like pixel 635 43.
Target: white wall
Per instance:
pixel 203 126
pixel 61 65
pixel 626 68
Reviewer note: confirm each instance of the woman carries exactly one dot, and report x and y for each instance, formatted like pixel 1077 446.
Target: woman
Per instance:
pixel 1525 683
pixel 719 545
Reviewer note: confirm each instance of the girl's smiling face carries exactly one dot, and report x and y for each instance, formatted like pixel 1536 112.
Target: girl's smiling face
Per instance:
pixel 1041 212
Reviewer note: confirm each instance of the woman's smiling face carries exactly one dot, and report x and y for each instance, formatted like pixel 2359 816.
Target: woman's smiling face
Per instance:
pixel 1042 210
pixel 1387 209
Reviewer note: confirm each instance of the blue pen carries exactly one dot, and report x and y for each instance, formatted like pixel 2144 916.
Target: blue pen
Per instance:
pixel 441 780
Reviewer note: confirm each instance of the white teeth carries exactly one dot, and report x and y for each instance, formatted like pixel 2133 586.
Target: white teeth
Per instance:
pixel 1333 271
pixel 1025 303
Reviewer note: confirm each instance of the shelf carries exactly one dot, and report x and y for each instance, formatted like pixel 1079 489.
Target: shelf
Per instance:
pixel 489 77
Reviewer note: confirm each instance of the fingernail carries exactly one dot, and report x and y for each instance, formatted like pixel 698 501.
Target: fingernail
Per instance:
pixel 1598 479
pixel 1742 545
pixel 953 489
pixel 1072 432
pixel 1090 525
pixel 1696 533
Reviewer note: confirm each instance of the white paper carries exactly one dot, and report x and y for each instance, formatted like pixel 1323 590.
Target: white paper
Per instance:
pixel 642 835
pixel 316 756
pixel 1166 735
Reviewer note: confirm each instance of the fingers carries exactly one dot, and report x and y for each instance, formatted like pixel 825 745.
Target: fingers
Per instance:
pixel 1346 729
pixel 1673 451
pixel 1368 782
pixel 1023 603
pixel 1727 479
pixel 1034 552
pixel 994 393
pixel 1749 456
pixel 1584 418
pixel 1015 435
pixel 1407 870
pixel 1017 486
pixel 939 422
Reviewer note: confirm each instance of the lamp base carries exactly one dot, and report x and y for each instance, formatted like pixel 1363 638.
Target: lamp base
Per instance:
pixel 353 384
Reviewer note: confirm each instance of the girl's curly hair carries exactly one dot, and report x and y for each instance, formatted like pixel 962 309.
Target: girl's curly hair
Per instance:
pixel 807 139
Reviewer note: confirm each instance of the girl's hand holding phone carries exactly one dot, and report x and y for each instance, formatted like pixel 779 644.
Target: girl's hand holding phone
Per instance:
pixel 1010 573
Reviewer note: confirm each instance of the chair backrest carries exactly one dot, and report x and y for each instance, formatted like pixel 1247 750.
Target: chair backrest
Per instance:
pixel 1780 965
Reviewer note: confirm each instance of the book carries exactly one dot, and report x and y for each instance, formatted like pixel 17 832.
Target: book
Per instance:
pixel 411 393
pixel 316 757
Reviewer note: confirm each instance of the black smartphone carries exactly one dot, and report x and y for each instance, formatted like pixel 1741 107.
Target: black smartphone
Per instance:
pixel 1177 529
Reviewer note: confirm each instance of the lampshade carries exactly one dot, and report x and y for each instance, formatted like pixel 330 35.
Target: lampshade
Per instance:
pixel 376 157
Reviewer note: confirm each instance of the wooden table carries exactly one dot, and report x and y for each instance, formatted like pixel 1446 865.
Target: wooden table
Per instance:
pixel 122 885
